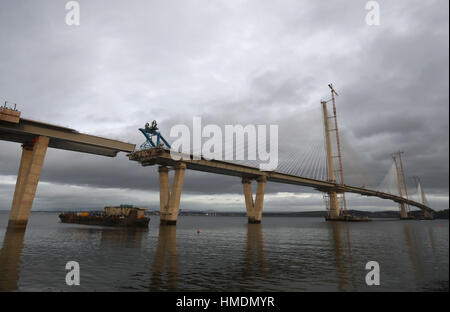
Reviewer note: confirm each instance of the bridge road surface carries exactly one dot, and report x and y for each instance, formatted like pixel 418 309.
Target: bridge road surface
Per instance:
pixel 162 157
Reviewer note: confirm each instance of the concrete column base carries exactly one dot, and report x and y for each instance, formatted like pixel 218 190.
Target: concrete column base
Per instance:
pixel 428 215
pixel 17 225
pixel 33 155
pixel 167 222
pixel 170 199
pixel 334 205
pixel 403 212
pixel 254 207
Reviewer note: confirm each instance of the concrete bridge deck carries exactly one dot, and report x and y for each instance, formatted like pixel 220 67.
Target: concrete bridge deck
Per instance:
pixel 35 138
pixel 162 157
pixel 26 130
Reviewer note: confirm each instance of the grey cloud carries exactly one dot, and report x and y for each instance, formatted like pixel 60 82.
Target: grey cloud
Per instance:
pixel 257 62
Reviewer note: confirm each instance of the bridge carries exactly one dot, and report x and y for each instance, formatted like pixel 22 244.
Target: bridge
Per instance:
pixel 333 187
pixel 170 199
pixel 35 138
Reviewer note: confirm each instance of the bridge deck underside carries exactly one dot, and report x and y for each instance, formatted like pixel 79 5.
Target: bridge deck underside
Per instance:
pixel 162 157
pixel 61 138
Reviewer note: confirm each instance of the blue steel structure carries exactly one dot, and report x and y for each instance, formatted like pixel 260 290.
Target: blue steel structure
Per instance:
pixel 150 132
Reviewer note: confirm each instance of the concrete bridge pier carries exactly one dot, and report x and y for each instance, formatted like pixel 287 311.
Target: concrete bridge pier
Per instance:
pixel 334 205
pixel 403 212
pixel 170 199
pixel 254 208
pixel 33 155
pixel 428 215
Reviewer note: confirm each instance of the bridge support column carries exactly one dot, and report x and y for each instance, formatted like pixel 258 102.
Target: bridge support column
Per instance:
pixel 428 215
pixel 254 208
pixel 334 205
pixel 403 212
pixel 170 200
pixel 164 187
pixel 31 163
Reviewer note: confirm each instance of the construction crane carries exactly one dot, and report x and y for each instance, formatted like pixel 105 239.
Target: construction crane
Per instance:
pixel 150 132
pixel 331 155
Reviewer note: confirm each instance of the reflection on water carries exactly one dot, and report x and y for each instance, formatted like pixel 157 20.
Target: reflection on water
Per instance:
pixel 431 239
pixel 122 237
pixel 339 256
pixel 415 245
pixel 165 270
pixel 411 242
pixel 281 254
pixel 339 245
pixel 350 258
pixel 10 258
pixel 254 252
pixel 165 264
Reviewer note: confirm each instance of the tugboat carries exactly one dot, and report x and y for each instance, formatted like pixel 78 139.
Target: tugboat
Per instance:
pixel 123 215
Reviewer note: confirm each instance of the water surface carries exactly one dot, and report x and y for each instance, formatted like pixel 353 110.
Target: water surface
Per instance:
pixel 281 254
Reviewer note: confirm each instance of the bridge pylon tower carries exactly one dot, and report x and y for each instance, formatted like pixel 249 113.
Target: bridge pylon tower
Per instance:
pixel 422 198
pixel 401 182
pixel 335 201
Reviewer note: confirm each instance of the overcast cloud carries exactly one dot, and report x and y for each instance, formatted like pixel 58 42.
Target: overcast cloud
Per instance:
pixel 246 62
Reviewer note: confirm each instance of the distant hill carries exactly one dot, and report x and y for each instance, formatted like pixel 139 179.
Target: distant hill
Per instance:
pixel 321 214
pixel 443 214
pixel 318 214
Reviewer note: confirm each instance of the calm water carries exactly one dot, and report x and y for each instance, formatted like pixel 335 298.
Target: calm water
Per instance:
pixel 282 254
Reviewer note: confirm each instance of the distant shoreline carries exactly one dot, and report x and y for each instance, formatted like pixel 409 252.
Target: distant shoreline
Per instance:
pixel 391 214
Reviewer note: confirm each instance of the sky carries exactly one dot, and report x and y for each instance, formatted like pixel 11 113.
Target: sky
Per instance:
pixel 228 62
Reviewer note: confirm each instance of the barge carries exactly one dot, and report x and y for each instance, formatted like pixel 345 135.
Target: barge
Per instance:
pixel 348 218
pixel 123 216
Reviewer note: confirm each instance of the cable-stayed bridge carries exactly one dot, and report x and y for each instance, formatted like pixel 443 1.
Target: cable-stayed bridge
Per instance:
pixel 171 197
pixel 320 167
